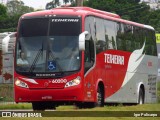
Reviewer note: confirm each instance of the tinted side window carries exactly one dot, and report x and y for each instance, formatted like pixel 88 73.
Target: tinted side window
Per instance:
pixel 90 27
pixel 100 35
pixel 150 48
pixel 110 34
pixel 121 43
pixel 89 43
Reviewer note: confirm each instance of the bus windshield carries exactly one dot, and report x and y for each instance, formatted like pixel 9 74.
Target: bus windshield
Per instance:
pixel 48 45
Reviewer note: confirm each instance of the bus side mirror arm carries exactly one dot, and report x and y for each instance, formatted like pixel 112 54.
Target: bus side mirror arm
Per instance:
pixel 5 42
pixel 82 37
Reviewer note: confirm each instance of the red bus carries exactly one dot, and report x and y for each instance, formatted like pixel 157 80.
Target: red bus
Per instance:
pixel 83 56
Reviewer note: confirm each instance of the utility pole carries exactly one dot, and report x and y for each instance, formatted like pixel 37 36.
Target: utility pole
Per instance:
pixel 79 2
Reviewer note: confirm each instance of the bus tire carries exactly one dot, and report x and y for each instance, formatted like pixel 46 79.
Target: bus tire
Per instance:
pixel 85 105
pixel 38 106
pixel 79 105
pixel 42 106
pixel 100 97
pixel 141 97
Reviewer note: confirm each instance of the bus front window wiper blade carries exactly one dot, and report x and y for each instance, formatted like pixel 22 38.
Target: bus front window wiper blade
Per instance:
pixel 35 60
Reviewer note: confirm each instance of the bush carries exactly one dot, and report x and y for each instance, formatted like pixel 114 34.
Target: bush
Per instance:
pixel 8 30
pixel 6 93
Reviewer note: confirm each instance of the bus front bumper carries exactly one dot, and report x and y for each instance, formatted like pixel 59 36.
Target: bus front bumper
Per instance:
pixel 31 95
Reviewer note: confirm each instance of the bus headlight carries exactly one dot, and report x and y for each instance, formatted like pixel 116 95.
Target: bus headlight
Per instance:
pixel 74 82
pixel 21 83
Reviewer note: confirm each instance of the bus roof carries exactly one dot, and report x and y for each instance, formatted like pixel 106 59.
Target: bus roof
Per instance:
pixel 88 9
pixel 85 11
pixel 72 11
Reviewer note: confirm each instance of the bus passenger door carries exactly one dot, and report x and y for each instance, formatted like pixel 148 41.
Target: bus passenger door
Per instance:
pixel 89 60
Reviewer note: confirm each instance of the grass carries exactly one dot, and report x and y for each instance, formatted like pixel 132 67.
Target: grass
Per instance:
pixel 6 93
pixel 15 106
pixel 145 107
pixel 83 118
pixel 121 108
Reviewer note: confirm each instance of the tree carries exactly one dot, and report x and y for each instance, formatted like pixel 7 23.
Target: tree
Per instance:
pixel 17 7
pixel 3 16
pixel 56 3
pixel 71 1
pixel 3 10
pixel 128 9
pixel 76 2
pixel 10 14
pixel 66 1
pixel 52 4
pixel 79 2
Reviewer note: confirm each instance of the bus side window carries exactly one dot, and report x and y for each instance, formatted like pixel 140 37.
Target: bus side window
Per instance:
pixel 87 53
pixel 100 46
pixel 89 43
pixel 89 56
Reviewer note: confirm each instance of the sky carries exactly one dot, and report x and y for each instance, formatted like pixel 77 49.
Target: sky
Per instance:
pixel 37 4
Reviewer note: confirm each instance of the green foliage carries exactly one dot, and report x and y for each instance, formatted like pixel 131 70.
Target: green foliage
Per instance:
pixel 118 6
pixel 130 10
pixel 3 11
pixel 52 4
pixel 6 92
pixel 15 106
pixel 8 29
pixel 127 9
pixel 66 1
pixel 56 3
pixel 9 23
pixel 10 14
pixel 15 7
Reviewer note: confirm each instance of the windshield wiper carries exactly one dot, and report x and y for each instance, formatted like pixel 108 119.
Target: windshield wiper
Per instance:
pixel 35 60
pixel 37 57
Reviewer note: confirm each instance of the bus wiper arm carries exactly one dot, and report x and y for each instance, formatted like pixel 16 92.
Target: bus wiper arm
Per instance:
pixel 35 60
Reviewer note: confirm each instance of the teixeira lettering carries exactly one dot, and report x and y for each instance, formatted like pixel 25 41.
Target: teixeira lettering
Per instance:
pixel 65 20
pixel 113 59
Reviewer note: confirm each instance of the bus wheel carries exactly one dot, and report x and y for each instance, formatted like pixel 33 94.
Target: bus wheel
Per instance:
pixel 141 97
pixel 85 105
pixel 42 105
pixel 100 97
pixel 80 105
pixel 38 106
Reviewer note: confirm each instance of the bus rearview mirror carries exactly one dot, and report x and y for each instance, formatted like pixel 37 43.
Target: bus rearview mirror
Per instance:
pixel 5 42
pixel 82 37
